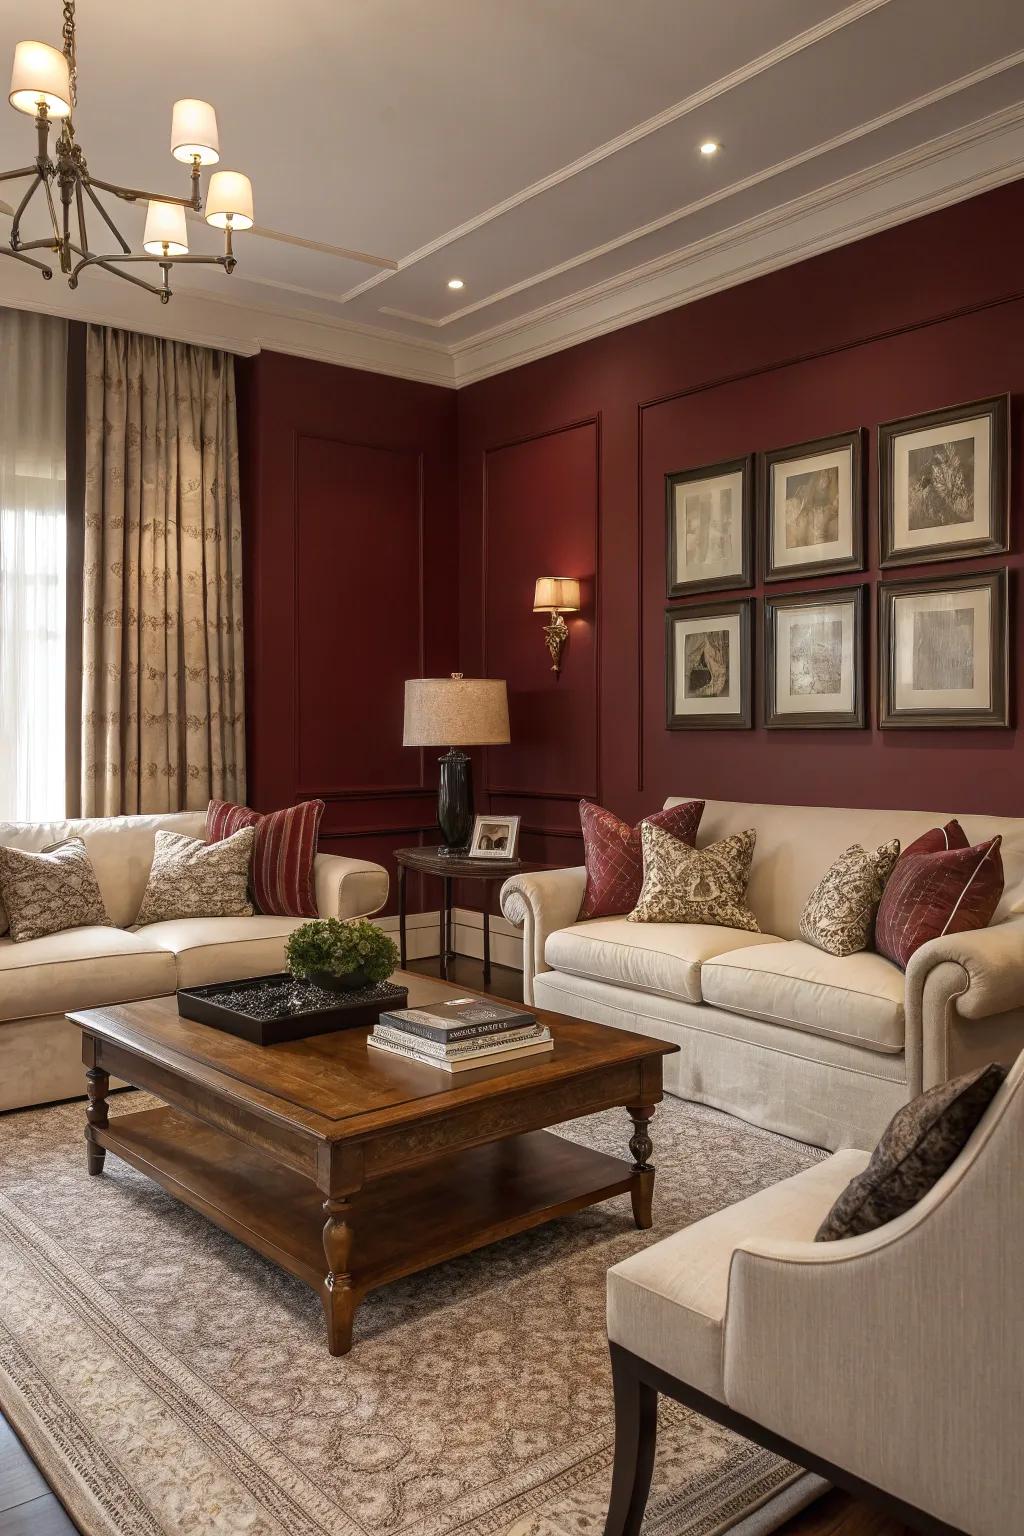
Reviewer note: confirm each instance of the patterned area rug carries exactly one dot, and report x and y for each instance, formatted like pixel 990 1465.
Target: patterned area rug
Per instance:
pixel 168 1380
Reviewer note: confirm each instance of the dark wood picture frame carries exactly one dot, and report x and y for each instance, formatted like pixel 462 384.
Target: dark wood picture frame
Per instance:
pixel 744 466
pixel 741 719
pixel 997 408
pixel 856 442
pixel 851 719
pixel 998 713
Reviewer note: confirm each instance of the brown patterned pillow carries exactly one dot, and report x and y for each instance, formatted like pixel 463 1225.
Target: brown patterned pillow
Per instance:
pixel 695 885
pixel 921 1141
pixel 840 913
pixel 190 878
pixel 50 891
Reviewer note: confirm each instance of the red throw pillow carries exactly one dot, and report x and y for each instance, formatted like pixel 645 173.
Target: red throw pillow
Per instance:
pixel 930 893
pixel 614 858
pixel 939 840
pixel 281 872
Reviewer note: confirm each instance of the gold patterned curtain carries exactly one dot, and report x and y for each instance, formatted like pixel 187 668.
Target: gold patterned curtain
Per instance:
pixel 162 671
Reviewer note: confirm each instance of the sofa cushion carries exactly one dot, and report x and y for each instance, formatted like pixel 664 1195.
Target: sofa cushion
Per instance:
pixel 665 958
pixel 80 968
pixel 667 1304
pixel 853 997
pixel 206 949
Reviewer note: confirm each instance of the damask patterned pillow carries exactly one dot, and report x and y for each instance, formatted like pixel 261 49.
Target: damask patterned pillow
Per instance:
pixel 921 1141
pixel 695 885
pixel 190 878
pixel 50 891
pixel 614 857
pixel 840 913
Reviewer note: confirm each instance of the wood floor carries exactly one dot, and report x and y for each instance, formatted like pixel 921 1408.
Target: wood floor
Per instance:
pixel 28 1508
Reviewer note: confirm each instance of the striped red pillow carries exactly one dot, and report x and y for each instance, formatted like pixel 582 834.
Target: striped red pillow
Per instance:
pixel 614 857
pixel 939 885
pixel 281 873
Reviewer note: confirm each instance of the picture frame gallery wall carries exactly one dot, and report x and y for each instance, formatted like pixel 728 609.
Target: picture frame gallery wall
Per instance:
pixel 943 642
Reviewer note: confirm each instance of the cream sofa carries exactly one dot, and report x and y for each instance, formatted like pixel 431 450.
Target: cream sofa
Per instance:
pixel 770 1028
pixel 41 979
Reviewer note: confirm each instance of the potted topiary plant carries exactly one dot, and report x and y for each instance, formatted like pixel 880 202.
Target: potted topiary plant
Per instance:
pixel 342 956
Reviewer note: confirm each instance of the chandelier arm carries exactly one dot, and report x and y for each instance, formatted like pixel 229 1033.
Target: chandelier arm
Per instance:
pixel 136 195
pixel 83 234
pixel 16 222
pixel 26 170
pixel 105 216
pixel 109 264
pixel 29 261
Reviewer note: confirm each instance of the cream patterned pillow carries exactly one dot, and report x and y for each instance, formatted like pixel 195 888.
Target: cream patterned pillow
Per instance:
pixel 840 913
pixel 50 891
pixel 695 885
pixel 190 878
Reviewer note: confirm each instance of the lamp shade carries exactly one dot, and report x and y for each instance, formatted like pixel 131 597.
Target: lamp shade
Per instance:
pixel 165 230
pixel 456 711
pixel 194 132
pixel 40 78
pixel 229 201
pixel 556 593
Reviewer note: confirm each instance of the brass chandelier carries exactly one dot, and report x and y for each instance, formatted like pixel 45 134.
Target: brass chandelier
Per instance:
pixel 44 85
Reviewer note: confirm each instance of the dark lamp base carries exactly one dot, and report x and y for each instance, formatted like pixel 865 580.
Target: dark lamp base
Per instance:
pixel 455 803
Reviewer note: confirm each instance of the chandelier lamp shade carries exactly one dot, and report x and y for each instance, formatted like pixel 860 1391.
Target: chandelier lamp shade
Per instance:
pixel 44 86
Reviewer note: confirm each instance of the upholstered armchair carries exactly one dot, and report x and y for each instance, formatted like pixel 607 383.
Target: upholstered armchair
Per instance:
pixel 892 1364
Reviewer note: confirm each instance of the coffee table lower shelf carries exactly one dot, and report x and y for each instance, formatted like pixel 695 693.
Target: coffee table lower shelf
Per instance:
pixel 399 1224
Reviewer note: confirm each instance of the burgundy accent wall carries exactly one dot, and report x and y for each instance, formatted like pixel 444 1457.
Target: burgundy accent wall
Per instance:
pixel 561 472
pixel 351 546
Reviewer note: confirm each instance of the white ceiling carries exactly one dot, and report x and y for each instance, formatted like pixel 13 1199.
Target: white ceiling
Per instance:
pixel 545 151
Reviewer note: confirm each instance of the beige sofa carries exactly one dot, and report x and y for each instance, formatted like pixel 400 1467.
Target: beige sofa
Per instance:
pixel 770 1028
pixel 40 979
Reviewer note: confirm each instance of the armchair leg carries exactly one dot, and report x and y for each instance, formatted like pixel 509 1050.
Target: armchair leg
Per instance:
pixel 636 1429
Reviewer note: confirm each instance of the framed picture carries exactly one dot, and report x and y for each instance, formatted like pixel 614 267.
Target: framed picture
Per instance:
pixel 943 657
pixel 709 527
pixel 944 484
pixel 708 666
pixel 814 659
pixel 812 514
pixel 495 837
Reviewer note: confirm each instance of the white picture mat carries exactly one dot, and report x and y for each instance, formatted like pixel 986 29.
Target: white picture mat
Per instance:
pixel 708 570
pixel 905 537
pixel 841 547
pixel 787 703
pixel 905 695
pixel 728 703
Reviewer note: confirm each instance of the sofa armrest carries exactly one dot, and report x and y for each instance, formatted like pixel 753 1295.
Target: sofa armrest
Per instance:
pixel 539 904
pixel 348 887
pixel 965 1002
pixel 991 962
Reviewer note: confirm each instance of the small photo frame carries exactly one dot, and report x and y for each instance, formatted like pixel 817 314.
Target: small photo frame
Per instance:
pixel 814 659
pixel 495 837
pixel 812 507
pixel 943 489
pixel 709 527
pixel 943 657
pixel 708 666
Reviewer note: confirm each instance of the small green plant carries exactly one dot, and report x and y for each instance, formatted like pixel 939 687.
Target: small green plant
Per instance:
pixel 337 954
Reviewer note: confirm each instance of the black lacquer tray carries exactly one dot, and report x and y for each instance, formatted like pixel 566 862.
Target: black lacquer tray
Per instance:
pixel 288 1009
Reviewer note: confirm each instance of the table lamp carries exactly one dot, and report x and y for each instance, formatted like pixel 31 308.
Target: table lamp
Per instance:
pixel 455 712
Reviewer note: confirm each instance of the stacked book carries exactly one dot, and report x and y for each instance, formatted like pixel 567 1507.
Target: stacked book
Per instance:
pixel 463 1033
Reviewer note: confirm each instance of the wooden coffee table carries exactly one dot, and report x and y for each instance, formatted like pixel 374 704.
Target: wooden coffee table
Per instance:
pixel 350 1167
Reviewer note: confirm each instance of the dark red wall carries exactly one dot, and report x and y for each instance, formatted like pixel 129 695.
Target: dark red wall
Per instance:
pixel 351 587
pixel 561 472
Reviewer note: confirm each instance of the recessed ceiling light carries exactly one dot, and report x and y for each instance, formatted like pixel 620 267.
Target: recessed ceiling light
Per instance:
pixel 710 147
pixel 456 282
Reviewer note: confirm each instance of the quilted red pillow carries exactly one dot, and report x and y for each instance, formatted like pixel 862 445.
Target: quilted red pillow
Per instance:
pixel 939 839
pixel 281 873
pixel 614 858
pixel 928 894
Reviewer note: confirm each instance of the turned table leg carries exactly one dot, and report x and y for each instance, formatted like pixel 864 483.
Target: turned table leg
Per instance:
pixel 339 1300
pixel 97 1083
pixel 641 1146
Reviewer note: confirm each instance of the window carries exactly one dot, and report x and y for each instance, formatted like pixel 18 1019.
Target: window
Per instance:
pixel 33 366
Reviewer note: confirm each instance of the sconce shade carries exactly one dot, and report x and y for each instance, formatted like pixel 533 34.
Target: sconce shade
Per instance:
pixel 229 201
pixel 165 225
pixel 40 77
pixel 456 711
pixel 194 132
pixel 556 594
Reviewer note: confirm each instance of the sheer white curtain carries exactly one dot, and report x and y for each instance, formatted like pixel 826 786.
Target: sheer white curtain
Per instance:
pixel 33 365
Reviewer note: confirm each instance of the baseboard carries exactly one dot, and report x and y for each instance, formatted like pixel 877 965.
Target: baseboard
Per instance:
pixel 423 939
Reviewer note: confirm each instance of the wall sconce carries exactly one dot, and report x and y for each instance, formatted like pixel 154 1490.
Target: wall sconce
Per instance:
pixel 556 595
